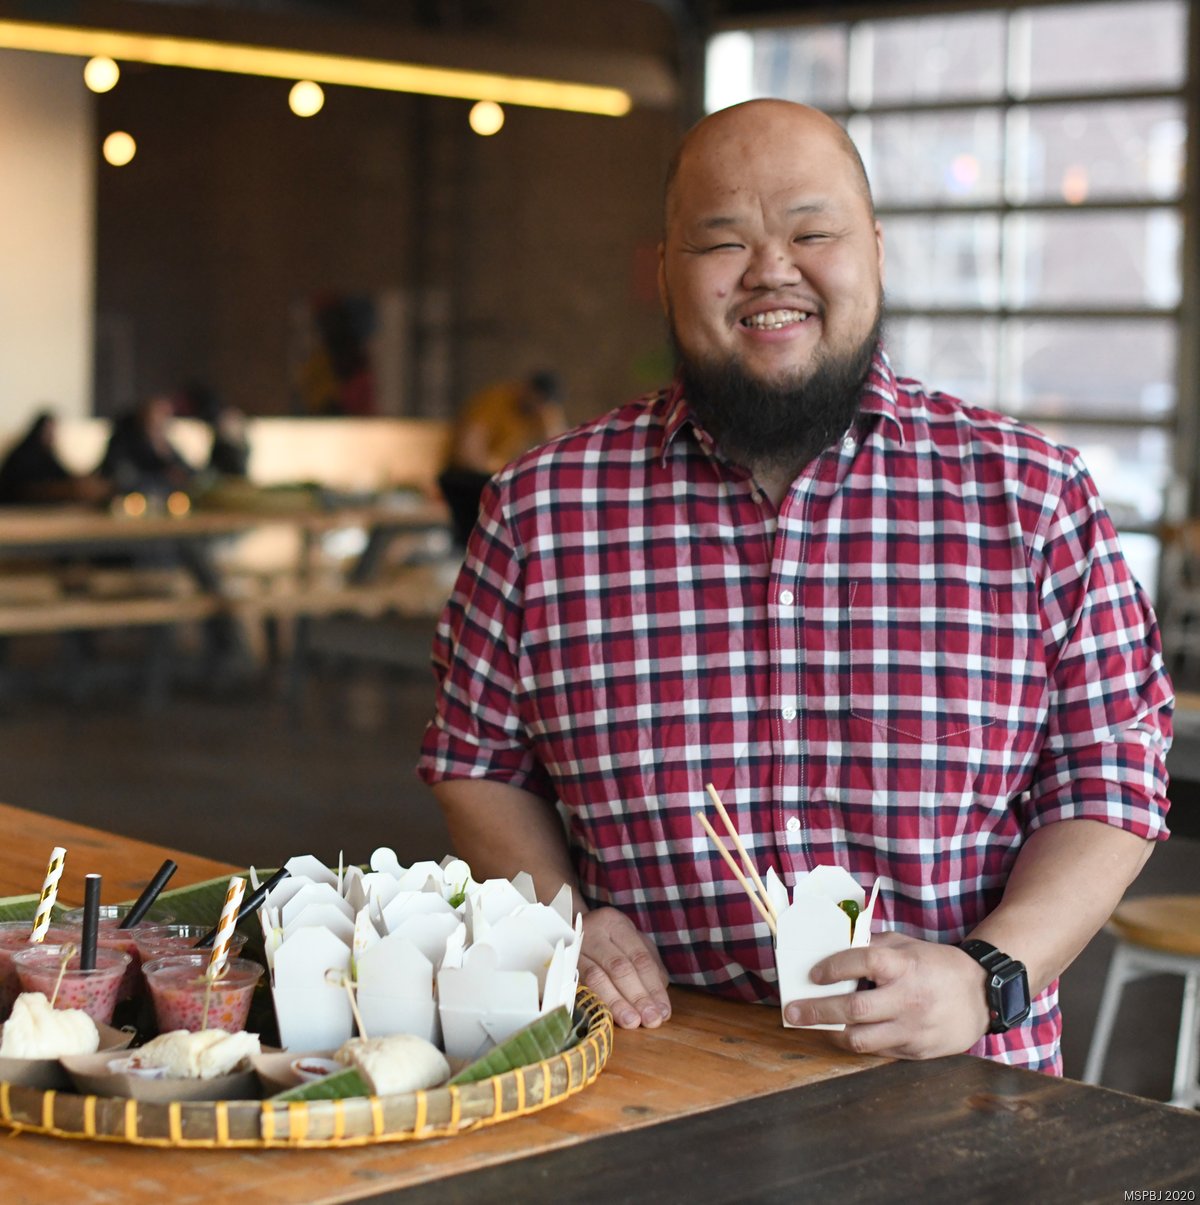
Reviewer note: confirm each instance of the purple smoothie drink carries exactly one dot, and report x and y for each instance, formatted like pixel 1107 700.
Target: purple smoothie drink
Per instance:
pixel 185 999
pixel 95 992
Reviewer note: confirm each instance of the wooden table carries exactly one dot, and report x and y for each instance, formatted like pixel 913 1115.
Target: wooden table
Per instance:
pixel 55 534
pixel 720 1104
pixel 58 527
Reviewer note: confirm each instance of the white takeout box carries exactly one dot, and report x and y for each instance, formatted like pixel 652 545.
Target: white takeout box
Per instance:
pixel 465 977
pixel 811 927
pixel 313 1013
pixel 522 964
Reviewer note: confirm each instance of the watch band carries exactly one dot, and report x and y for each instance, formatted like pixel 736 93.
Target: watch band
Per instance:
pixel 1007 984
pixel 983 952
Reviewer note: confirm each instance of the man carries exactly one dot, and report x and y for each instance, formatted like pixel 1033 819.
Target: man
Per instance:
pixel 896 632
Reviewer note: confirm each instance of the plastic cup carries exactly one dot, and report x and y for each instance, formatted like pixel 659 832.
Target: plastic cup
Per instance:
pixel 14 936
pixel 95 991
pixel 158 941
pixel 110 937
pixel 185 999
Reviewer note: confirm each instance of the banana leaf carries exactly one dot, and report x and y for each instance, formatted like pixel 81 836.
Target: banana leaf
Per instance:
pixel 335 1086
pixel 541 1039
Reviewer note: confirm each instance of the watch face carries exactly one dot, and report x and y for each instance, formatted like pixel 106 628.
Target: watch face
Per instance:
pixel 1014 999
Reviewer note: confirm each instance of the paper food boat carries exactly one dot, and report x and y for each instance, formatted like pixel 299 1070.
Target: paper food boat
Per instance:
pixel 811 926
pixel 432 952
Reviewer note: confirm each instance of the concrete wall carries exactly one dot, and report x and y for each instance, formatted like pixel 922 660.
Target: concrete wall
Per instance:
pixel 47 166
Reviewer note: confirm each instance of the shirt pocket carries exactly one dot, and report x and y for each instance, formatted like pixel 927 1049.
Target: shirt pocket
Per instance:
pixel 923 658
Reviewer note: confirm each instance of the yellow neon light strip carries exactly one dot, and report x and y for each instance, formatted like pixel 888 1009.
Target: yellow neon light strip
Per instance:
pixel 386 76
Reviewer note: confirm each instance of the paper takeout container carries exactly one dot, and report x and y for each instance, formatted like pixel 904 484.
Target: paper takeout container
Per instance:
pixel 811 926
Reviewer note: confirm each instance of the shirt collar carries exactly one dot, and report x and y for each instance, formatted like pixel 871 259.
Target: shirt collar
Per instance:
pixel 879 397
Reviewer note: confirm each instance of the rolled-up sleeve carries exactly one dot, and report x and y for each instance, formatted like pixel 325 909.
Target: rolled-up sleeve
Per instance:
pixel 1109 699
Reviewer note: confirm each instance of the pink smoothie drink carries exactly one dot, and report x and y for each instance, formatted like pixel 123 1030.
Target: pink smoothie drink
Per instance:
pixel 157 941
pixel 14 936
pixel 184 998
pixel 95 991
pixel 111 937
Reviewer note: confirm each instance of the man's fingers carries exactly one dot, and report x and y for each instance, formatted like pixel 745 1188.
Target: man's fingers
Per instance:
pixel 622 988
pixel 624 970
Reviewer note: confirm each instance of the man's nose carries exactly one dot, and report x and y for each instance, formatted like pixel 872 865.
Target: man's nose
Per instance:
pixel 771 267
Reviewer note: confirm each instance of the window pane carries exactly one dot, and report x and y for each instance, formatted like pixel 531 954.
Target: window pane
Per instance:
pixel 1101 47
pixel 807 65
pixel 923 158
pixel 953 355
pixel 931 58
pixel 1103 367
pixel 1094 259
pixel 943 261
pixel 1092 152
pixel 1130 468
pixel 1142 554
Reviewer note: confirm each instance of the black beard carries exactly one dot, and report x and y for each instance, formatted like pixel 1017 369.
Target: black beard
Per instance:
pixel 760 424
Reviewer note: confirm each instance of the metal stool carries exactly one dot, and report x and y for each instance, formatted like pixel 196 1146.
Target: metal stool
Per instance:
pixel 1155 934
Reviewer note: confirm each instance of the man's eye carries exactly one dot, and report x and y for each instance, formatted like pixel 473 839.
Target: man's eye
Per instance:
pixel 725 247
pixel 814 237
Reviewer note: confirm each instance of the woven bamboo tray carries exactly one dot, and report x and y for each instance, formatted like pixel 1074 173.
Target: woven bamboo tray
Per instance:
pixel 358 1121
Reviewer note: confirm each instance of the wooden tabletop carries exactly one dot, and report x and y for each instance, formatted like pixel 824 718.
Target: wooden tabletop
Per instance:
pixel 720 1104
pixel 711 1053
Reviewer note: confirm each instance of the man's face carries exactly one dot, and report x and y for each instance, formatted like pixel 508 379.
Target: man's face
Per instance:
pixel 772 263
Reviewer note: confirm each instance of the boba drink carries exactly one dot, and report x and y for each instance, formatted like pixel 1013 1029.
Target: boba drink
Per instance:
pixel 111 936
pixel 184 997
pixel 14 936
pixel 40 968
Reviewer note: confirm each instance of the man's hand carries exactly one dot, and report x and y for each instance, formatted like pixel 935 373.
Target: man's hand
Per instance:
pixel 623 968
pixel 928 999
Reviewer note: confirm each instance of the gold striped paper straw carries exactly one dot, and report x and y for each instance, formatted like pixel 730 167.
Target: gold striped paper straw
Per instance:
pixel 225 926
pixel 54 870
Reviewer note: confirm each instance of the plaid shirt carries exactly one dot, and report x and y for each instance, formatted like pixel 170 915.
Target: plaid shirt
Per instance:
pixel 931 649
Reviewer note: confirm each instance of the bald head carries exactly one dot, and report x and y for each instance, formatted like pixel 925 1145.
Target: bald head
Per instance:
pixel 771 130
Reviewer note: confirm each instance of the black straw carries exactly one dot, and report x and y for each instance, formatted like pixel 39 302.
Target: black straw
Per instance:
pixel 249 904
pixel 142 904
pixel 91 922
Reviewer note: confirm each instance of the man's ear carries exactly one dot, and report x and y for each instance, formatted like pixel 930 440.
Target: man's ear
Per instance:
pixel 879 254
pixel 662 277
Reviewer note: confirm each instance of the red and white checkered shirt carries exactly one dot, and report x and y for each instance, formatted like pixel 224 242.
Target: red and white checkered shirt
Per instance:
pixel 933 648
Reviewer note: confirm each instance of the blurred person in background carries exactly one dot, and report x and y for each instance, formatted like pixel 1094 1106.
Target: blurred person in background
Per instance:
pixel 32 472
pixel 496 426
pixel 140 456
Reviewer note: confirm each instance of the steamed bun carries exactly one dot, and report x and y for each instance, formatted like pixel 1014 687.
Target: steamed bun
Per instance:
pixel 37 1030
pixel 401 1062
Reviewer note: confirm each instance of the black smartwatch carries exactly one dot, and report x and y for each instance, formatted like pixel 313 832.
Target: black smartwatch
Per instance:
pixel 1007 985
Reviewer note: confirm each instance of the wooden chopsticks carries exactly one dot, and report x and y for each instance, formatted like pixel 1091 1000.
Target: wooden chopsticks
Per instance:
pixel 755 890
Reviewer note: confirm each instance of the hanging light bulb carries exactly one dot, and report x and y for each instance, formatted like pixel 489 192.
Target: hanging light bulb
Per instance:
pixel 119 148
pixel 101 74
pixel 306 98
pixel 486 117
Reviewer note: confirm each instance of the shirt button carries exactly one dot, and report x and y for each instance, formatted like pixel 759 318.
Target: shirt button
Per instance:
pixel 793 824
pixel 786 598
pixel 789 713
pixel 848 443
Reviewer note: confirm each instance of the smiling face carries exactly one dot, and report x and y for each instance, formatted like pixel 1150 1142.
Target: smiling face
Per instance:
pixel 772 260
